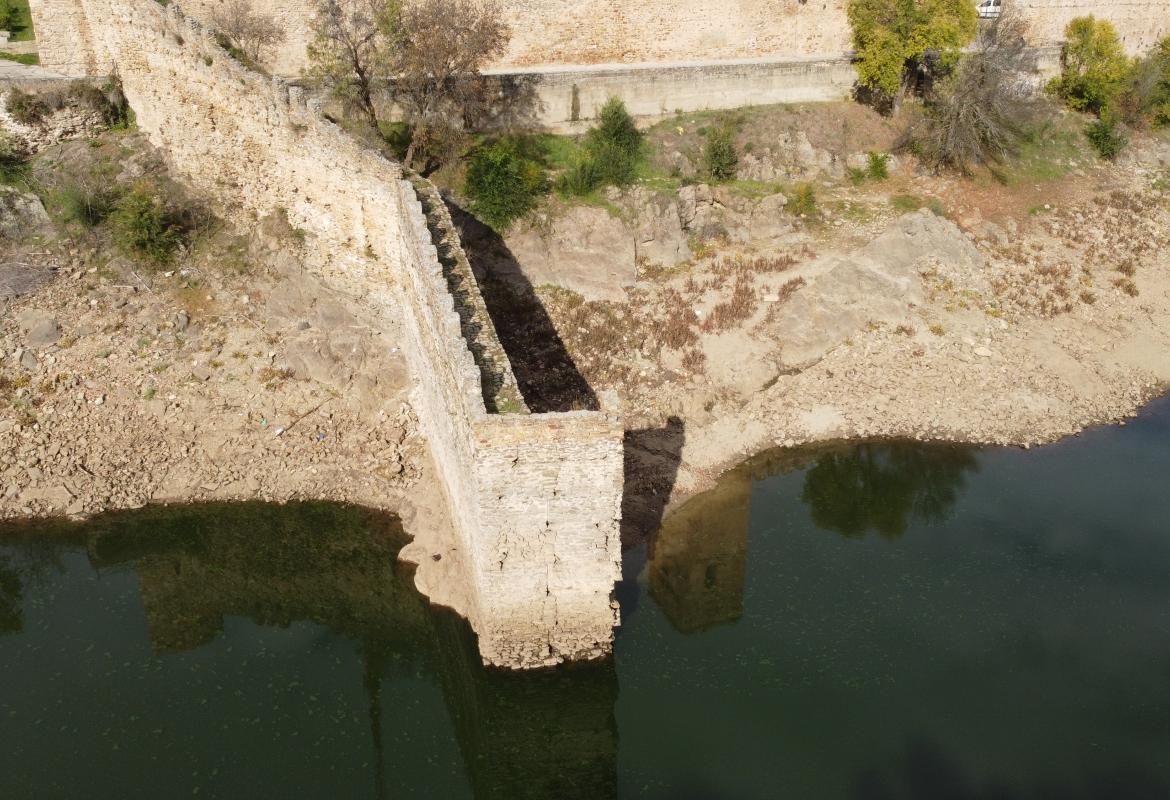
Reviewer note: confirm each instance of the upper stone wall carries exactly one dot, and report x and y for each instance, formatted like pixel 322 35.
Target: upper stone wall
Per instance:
pixel 590 32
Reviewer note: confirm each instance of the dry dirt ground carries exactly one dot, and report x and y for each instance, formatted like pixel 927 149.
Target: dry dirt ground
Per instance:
pixel 229 374
pixel 1021 309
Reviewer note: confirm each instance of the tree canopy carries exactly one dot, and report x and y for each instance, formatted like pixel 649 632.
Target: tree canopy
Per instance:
pixel 1093 65
pixel 898 40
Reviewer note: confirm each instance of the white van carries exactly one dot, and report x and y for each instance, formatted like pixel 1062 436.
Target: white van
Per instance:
pixel 990 9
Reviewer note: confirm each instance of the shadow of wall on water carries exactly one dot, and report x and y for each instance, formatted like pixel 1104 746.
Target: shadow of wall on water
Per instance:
pixel 651 461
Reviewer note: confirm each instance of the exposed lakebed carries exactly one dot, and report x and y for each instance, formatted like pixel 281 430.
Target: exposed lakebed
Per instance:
pixel 865 621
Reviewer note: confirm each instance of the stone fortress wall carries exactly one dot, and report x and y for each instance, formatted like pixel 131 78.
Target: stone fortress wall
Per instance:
pixel 536 498
pixel 662 56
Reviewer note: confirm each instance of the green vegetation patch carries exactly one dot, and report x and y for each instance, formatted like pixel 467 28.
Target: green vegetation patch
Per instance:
pixel 28 59
pixel 16 18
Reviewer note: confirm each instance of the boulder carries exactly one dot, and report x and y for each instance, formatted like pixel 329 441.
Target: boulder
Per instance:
pixel 877 283
pixel 659 235
pixel 586 249
pixel 20 213
pixel 769 220
pixel 40 329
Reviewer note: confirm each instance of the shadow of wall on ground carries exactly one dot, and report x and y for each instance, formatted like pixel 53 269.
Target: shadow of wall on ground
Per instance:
pixel 545 372
pixel 550 381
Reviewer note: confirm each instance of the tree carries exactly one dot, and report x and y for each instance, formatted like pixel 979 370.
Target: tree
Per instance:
pixel 437 50
pixel 1093 65
pixel 256 35
pixel 350 53
pixel 975 116
pixel 10 16
pixel 900 43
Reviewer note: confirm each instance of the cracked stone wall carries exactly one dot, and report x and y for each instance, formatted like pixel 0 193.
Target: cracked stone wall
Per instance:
pixel 543 489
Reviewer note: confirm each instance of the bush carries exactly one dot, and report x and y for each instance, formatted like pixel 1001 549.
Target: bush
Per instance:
pixel 86 204
pixel 25 108
pixel 580 179
pixel 803 201
pixel 856 175
pixel 12 163
pixel 719 155
pixel 976 116
pixel 1093 65
pixel 11 18
pixel 1106 138
pixel 143 225
pixel 878 166
pixel 503 184
pixel 614 144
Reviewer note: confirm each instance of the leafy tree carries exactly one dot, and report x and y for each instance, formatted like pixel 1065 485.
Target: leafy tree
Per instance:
pixel 1093 65
pixel 503 184
pixel 901 42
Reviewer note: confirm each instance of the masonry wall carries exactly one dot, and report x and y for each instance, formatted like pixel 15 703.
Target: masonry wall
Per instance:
pixel 257 147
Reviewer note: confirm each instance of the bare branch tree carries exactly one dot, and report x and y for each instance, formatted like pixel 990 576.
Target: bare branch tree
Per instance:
pixel 256 34
pixel 976 115
pixel 350 53
pixel 439 48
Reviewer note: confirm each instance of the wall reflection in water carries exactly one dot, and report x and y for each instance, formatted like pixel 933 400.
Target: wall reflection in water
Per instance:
pixel 697 559
pixel 520 736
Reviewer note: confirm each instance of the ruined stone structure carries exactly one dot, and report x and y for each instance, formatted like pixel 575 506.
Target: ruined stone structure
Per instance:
pixel 660 56
pixel 535 498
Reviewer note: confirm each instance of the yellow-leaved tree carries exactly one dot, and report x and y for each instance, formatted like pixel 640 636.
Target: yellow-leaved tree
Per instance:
pixel 900 42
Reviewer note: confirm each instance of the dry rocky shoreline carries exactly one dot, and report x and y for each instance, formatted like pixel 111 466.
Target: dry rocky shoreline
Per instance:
pixel 124 387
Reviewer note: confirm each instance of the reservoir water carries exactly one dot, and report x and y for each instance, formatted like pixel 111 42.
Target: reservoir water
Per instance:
pixel 865 622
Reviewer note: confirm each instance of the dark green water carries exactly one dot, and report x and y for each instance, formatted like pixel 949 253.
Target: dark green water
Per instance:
pixel 872 622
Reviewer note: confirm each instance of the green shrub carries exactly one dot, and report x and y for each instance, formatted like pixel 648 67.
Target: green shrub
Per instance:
pixel 143 225
pixel 803 201
pixel 11 16
pixel 25 108
pixel 878 166
pixel 719 155
pixel 503 184
pixel 615 144
pixel 1106 138
pixel 12 162
pixel 856 175
pixel 1093 65
pixel 87 204
pixel 579 179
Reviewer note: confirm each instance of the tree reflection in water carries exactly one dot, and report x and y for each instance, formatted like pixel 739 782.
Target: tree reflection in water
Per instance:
pixel 881 486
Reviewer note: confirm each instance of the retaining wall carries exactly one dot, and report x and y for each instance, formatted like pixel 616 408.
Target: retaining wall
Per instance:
pixel 536 498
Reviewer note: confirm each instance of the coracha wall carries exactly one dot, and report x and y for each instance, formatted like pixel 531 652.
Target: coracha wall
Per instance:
pixel 536 498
